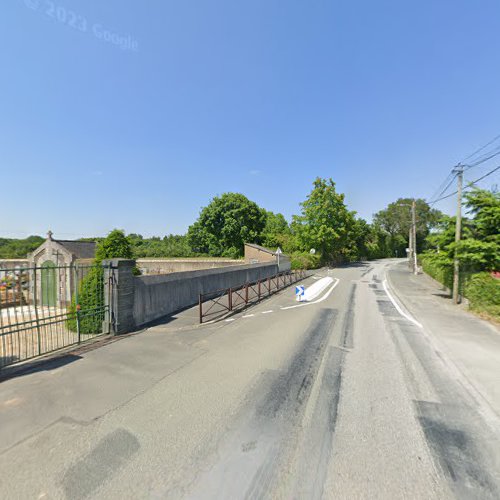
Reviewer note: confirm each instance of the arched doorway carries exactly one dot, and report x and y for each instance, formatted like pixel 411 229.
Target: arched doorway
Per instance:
pixel 49 284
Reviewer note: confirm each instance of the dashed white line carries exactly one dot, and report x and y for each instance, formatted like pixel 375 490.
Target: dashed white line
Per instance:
pixel 266 312
pixel 229 319
pixel 248 315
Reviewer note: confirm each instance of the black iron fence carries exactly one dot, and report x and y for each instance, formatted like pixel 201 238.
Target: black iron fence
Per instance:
pixel 216 304
pixel 48 307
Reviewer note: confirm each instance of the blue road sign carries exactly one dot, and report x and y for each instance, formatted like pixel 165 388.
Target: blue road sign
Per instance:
pixel 299 290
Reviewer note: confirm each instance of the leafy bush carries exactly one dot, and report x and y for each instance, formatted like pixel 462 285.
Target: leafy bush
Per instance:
pixel 438 268
pixel 91 302
pixel 480 288
pixel 91 288
pixel 483 292
pixel 304 260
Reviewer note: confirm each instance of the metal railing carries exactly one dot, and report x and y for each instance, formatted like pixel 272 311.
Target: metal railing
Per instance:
pixel 48 307
pixel 214 305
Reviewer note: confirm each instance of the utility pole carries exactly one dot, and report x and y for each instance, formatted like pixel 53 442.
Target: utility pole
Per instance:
pixel 410 248
pixel 414 234
pixel 459 170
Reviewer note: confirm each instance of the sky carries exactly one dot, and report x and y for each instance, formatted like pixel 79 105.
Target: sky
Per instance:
pixel 135 115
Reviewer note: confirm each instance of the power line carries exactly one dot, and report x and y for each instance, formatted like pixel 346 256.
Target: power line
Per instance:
pixel 485 175
pixel 446 188
pixel 486 157
pixel 440 189
pixel 443 198
pixel 469 184
pixel 481 148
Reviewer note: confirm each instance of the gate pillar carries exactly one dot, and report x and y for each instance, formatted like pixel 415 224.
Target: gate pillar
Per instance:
pixel 119 287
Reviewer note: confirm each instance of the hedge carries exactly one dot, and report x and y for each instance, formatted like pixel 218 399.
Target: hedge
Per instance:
pixel 483 292
pixel 481 289
pixel 91 301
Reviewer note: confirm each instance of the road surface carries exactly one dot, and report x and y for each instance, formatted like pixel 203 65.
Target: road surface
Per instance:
pixel 349 396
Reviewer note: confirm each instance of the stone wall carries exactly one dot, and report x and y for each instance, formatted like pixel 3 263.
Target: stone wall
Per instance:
pixel 167 266
pixel 161 295
pixel 135 301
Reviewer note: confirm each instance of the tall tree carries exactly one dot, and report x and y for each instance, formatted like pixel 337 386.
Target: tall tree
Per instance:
pixel 481 251
pixel 276 230
pixel 325 223
pixel 396 220
pixel 226 224
pixel 115 245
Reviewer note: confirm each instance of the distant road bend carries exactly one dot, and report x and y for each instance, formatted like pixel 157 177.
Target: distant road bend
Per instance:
pixel 350 395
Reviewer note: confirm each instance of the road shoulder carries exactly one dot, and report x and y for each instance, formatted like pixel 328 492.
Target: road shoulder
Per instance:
pixel 470 343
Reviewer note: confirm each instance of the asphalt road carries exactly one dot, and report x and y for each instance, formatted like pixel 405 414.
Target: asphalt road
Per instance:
pixel 345 397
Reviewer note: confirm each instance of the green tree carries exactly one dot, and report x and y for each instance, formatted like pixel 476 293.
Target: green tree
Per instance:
pixel 364 241
pixel 225 225
pixel 478 251
pixel 481 250
pixel 11 248
pixel 484 206
pixel 115 246
pixel 91 287
pixel 396 220
pixel 325 223
pixel 276 230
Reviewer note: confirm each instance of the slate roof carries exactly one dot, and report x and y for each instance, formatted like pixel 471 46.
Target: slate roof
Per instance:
pixel 80 249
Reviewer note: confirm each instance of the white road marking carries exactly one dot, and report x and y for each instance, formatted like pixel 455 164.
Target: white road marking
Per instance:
pixel 398 308
pixel 248 315
pixel 327 294
pixel 266 312
pixel 229 319
pixel 316 289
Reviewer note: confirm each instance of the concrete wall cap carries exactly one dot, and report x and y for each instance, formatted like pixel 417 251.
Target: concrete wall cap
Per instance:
pixel 119 262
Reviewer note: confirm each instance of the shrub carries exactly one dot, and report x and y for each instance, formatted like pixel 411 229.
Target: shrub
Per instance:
pixel 91 287
pixel 483 292
pixel 304 260
pixel 435 268
pixel 91 302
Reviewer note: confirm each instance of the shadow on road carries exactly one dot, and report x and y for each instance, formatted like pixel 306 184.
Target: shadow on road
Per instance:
pixel 37 366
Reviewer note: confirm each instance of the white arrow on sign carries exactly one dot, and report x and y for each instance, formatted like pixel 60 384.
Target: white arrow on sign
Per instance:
pixel 299 292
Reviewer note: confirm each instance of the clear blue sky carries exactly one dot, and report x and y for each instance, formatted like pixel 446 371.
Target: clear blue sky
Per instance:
pixel 258 97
